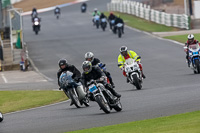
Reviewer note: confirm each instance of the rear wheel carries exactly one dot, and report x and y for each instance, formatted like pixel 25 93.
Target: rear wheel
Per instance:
pixel 136 82
pixel 103 105
pixel 74 98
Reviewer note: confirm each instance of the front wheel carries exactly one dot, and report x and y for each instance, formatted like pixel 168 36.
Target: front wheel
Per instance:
pixel 74 98
pixel 197 65
pixel 103 105
pixel 136 82
pixel 119 33
pixel 1 117
pixel 118 106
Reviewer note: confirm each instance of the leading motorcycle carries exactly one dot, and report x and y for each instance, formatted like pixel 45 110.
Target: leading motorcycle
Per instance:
pixel 194 57
pixel 73 90
pixel 133 72
pixel 36 26
pixel 105 99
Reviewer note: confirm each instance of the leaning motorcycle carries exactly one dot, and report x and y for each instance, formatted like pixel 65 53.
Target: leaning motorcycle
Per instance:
pixel 1 117
pixel 96 21
pixel 73 90
pixel 104 97
pixel 133 72
pixel 194 57
pixel 103 24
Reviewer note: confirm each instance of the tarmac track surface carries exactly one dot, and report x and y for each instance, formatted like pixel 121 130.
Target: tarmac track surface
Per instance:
pixel 170 87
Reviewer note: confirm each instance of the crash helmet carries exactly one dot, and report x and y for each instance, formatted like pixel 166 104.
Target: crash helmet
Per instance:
pixel 62 63
pixel 87 67
pixel 89 56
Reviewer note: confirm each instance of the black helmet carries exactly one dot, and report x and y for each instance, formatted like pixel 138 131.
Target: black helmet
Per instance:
pixel 87 67
pixel 62 62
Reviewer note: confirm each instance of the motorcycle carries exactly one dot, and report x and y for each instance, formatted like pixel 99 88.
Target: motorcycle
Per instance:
pixel 83 9
pixel 119 29
pixel 194 57
pixel 103 24
pixel 73 90
pixel 36 26
pixel 1 117
pixel 112 24
pixel 104 97
pixel 133 72
pixel 96 21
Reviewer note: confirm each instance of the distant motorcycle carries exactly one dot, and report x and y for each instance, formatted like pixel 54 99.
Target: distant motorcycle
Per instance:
pixel 103 24
pixel 119 29
pixel 73 90
pixel 194 57
pixel 96 21
pixel 83 9
pixel 133 72
pixel 36 26
pixel 112 24
pixel 104 97
pixel 1 117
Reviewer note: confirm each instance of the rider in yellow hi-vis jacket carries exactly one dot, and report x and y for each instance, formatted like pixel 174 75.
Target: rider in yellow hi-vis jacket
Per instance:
pixel 126 54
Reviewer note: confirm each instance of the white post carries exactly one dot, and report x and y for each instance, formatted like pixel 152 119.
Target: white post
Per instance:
pixel 186 6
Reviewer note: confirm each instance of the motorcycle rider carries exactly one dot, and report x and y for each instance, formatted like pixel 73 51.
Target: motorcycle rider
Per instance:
pixel 190 41
pixel 34 13
pixel 84 5
pixel 118 20
pixel 65 66
pixel 126 54
pixel 110 18
pixel 57 10
pixel 89 56
pixel 96 12
pixel 95 73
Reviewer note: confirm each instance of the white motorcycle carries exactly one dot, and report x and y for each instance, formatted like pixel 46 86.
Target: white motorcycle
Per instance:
pixel 1 117
pixel 194 57
pixel 133 73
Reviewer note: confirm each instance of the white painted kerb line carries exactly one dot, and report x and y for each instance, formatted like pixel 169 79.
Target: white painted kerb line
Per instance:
pixel 4 78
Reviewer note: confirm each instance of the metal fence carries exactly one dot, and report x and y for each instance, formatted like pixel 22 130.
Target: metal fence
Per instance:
pixel 144 11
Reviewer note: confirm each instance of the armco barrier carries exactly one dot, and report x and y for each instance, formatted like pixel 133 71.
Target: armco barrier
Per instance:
pixel 145 12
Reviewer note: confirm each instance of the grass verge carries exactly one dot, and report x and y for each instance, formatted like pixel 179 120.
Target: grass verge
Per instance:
pixel 19 100
pixel 182 123
pixel 143 24
pixel 182 38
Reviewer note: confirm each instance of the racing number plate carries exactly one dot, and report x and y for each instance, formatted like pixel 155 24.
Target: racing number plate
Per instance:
pixel 92 88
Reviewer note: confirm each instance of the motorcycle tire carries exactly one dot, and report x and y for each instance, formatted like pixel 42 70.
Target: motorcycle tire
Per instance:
pixel 118 106
pixel 119 33
pixel 74 98
pixel 104 106
pixel 136 82
pixel 197 65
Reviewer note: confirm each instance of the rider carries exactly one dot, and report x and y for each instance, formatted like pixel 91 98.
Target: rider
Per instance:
pixel 95 13
pixel 57 10
pixel 190 41
pixel 89 56
pixel 126 54
pixel 65 66
pixel 119 20
pixel 110 18
pixel 95 73
pixel 34 13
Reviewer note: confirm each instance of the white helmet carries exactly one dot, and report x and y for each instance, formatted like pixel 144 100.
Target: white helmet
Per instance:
pixel 95 9
pixel 123 49
pixel 89 55
pixel 190 36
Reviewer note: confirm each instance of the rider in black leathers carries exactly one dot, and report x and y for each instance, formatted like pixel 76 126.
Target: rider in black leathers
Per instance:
pixel 110 18
pixel 118 20
pixel 95 73
pixel 89 56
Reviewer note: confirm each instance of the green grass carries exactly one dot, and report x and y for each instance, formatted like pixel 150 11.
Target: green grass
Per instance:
pixel 143 24
pixel 182 123
pixel 19 100
pixel 182 38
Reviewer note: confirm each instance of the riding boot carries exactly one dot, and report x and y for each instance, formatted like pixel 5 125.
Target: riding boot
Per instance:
pixel 113 91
